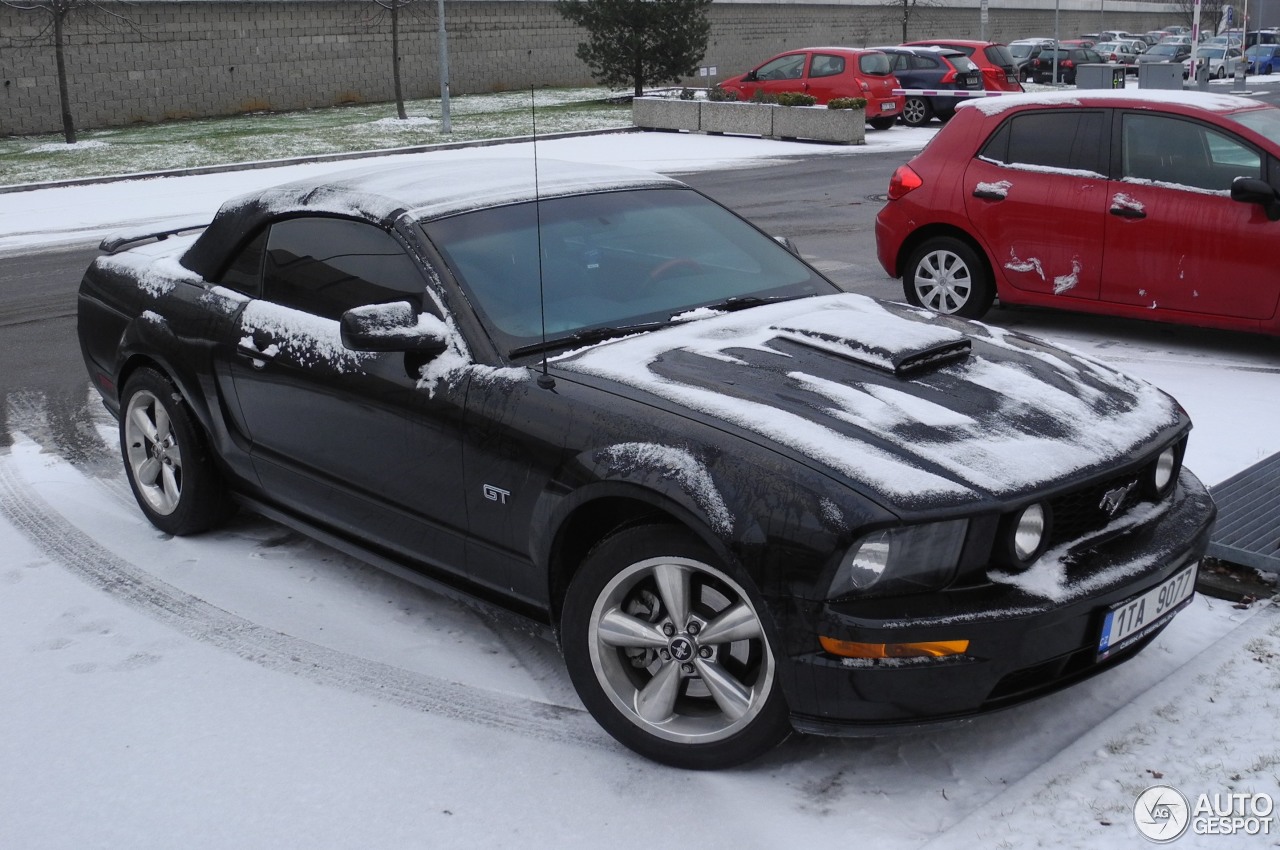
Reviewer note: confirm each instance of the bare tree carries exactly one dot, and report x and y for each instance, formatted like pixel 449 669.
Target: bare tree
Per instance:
pixel 905 10
pixel 57 13
pixel 1211 13
pixel 392 9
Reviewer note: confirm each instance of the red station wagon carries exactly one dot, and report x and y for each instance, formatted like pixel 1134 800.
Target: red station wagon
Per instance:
pixel 826 73
pixel 1157 205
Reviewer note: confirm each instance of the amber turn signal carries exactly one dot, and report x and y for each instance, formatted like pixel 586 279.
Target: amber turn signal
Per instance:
pixel 925 649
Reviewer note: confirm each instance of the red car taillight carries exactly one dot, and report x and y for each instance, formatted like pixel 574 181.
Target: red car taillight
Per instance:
pixel 903 181
pixel 1066 63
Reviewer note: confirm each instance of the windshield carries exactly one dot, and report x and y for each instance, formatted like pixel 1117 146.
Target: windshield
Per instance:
pixel 1264 121
pixel 1020 51
pixel 1211 52
pixel 610 260
pixel 1163 50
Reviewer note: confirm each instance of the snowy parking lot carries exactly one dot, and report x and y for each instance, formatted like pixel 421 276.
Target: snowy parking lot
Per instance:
pixel 251 688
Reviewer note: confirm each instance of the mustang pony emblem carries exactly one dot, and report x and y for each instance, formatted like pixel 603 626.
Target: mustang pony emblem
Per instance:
pixel 1113 499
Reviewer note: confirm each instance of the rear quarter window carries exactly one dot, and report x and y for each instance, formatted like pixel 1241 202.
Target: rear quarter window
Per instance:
pixel 874 64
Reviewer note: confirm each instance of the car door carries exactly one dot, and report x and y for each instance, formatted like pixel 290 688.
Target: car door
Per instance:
pixel 832 75
pixel 782 73
pixel 1035 195
pixel 1174 238
pixel 351 440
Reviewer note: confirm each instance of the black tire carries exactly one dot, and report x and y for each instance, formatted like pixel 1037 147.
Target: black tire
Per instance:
pixel 946 275
pixel 650 619
pixel 167 459
pixel 883 122
pixel 916 112
pixel 1221 73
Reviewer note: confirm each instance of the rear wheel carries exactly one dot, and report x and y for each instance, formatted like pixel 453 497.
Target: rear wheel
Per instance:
pixel 668 649
pixel 883 122
pixel 947 276
pixel 916 112
pixel 169 466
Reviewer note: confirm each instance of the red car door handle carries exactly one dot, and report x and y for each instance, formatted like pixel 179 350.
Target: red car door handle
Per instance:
pixel 1128 212
pixel 989 194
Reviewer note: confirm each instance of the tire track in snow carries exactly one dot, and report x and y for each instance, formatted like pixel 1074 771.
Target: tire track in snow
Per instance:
pixel 191 616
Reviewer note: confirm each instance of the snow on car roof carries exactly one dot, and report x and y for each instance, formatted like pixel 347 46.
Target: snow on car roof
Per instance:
pixel 422 190
pixel 1201 100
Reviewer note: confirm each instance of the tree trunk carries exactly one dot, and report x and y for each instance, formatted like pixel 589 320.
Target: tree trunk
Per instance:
pixel 64 96
pixel 395 59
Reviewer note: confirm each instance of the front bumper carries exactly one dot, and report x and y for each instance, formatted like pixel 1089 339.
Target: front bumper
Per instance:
pixel 1021 645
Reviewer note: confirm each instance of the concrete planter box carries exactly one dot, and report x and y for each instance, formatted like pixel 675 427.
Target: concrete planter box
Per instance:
pixel 747 119
pixel 844 126
pixel 664 113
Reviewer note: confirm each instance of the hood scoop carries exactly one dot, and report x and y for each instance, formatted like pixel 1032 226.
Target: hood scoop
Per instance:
pixel 897 345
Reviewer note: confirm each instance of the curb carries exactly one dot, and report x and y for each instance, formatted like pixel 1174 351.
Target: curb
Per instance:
pixel 304 160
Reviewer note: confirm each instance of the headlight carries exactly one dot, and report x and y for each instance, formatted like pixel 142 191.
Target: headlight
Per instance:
pixel 1162 476
pixel 1023 535
pixel 901 560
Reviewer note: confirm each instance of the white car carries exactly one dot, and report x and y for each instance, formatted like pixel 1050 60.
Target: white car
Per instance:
pixel 1222 61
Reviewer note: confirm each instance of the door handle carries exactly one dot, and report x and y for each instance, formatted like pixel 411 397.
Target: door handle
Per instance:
pixel 1127 212
pixel 259 357
pixel 989 194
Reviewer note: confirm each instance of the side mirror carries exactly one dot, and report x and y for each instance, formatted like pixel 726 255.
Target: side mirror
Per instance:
pixel 1253 190
pixel 751 77
pixel 785 242
pixel 392 327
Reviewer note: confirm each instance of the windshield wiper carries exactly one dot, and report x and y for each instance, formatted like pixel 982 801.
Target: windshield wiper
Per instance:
pixel 743 302
pixel 583 337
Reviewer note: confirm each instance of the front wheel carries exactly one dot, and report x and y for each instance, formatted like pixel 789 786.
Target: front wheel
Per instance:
pixel 883 122
pixel 947 276
pixel 168 464
pixel 916 112
pixel 669 651
pixel 1222 73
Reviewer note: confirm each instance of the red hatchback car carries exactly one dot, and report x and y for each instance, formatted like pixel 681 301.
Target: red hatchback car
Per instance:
pixel 1155 205
pixel 826 73
pixel 999 68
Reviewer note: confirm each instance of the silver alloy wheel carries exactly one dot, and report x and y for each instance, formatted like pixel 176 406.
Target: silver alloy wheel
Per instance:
pixel 943 281
pixel 153 453
pixel 915 112
pixel 680 651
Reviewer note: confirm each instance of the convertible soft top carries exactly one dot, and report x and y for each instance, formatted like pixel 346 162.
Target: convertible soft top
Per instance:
pixel 423 190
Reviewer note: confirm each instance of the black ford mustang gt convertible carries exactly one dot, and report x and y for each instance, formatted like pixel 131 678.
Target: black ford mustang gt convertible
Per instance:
pixel 743 501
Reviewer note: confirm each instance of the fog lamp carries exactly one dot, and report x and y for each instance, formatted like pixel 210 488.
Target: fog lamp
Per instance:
pixel 922 649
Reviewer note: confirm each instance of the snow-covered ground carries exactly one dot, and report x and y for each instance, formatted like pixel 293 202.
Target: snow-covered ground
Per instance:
pixel 249 688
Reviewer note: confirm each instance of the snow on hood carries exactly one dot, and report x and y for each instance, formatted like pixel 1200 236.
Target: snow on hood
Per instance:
pixel 1013 414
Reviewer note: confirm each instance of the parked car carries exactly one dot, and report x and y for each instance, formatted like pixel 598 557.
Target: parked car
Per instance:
pixel 1164 206
pixel 742 500
pixel 940 69
pixel 1024 50
pixel 1166 53
pixel 1065 60
pixel 999 70
pixel 1152 37
pixel 1263 58
pixel 1117 53
pixel 1221 61
pixel 1078 42
pixel 826 73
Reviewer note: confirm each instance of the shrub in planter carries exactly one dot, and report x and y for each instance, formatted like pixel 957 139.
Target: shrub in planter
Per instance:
pixel 847 103
pixel 795 98
pixel 762 96
pixel 715 94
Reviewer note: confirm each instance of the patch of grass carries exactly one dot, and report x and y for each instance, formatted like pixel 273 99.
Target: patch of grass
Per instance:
pixel 266 136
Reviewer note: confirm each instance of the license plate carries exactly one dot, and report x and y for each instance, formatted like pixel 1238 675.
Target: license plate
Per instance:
pixel 888 106
pixel 1131 620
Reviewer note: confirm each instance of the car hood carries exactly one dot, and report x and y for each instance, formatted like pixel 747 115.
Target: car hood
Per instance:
pixel 910 408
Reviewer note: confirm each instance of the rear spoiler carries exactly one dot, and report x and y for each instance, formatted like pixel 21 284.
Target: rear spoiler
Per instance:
pixel 124 238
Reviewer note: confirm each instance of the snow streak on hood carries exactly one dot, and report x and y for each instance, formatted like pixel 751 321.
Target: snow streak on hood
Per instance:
pixel 1012 414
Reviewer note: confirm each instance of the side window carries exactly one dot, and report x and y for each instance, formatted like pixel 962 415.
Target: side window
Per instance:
pixel 826 66
pixel 923 63
pixel 783 68
pixel 1170 150
pixel 245 272
pixel 326 266
pixel 1056 139
pixel 874 64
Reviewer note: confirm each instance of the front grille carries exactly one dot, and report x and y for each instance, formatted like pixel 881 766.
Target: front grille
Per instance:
pixel 1077 513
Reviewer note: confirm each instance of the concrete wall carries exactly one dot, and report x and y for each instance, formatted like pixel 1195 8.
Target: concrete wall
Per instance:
pixel 190 58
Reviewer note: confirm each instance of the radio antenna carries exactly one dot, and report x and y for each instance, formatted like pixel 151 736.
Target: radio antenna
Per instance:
pixel 544 380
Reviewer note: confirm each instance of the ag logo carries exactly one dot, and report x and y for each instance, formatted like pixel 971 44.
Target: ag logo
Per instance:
pixel 1161 813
